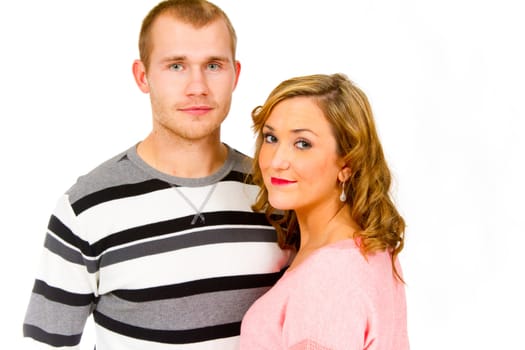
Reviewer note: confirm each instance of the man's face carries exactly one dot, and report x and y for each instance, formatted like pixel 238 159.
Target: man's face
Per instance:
pixel 190 78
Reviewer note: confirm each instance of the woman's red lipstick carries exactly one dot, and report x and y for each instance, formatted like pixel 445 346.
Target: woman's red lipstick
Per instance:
pixel 278 181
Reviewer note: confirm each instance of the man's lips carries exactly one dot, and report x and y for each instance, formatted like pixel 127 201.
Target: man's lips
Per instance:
pixel 279 181
pixel 196 110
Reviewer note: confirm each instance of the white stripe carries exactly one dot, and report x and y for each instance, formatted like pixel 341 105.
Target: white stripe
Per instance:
pixel 121 214
pixel 201 262
pixel 65 214
pixel 63 274
pixel 31 344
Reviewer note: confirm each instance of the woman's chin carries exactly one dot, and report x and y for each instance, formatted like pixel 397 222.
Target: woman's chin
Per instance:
pixel 280 204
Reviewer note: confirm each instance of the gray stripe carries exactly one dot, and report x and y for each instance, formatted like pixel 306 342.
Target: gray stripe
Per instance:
pixel 128 167
pixel 185 313
pixel 192 239
pixel 54 317
pixel 69 254
pixel 213 236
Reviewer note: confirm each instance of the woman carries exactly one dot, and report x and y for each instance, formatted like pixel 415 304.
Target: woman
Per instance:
pixel 321 168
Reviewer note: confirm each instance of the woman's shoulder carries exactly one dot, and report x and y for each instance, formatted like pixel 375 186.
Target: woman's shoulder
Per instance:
pixel 343 264
pixel 335 257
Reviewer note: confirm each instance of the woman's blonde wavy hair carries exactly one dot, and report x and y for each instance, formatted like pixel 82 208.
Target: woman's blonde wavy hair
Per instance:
pixel 348 111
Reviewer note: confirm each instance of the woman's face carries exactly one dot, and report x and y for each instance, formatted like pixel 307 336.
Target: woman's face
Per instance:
pixel 298 158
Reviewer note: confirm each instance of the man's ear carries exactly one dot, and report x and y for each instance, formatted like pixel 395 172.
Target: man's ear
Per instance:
pixel 139 73
pixel 237 73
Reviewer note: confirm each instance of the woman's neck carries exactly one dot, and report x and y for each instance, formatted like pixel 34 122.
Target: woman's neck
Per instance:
pixel 320 230
pixel 325 227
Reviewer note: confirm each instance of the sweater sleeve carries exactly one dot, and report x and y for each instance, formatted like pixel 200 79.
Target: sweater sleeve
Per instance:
pixel 308 345
pixel 65 288
pixel 326 310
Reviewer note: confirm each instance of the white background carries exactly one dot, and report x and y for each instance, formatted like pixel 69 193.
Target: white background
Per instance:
pixel 445 80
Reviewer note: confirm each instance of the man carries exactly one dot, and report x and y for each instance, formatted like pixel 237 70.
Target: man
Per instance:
pixel 159 243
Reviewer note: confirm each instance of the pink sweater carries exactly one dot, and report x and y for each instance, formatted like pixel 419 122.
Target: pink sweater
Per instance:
pixel 334 300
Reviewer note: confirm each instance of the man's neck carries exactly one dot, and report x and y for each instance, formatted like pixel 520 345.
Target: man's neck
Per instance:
pixel 184 158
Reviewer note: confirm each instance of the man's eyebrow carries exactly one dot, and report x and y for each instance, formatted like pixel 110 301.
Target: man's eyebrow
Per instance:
pixel 218 58
pixel 182 58
pixel 174 58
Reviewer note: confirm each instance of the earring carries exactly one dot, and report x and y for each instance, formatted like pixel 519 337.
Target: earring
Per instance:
pixel 342 197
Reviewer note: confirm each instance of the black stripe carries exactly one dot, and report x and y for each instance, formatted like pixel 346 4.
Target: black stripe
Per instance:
pixel 58 228
pixel 169 337
pixel 117 192
pixel 239 177
pixel 62 296
pixel 153 230
pixel 172 226
pixel 201 286
pixel 137 189
pixel 215 235
pixel 56 340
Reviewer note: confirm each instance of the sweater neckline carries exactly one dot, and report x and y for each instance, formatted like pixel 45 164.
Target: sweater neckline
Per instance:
pixel 347 243
pixel 224 170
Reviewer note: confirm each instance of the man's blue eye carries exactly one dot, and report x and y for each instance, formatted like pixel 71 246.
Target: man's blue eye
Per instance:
pixel 176 67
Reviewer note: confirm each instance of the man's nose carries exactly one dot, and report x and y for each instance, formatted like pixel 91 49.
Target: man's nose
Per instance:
pixel 197 83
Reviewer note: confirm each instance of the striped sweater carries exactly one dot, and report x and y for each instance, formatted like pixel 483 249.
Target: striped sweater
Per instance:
pixel 160 262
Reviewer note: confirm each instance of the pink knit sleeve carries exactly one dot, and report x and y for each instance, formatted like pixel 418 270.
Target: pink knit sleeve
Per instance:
pixel 308 345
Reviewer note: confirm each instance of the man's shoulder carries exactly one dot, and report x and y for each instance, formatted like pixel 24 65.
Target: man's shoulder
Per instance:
pixel 241 162
pixel 115 171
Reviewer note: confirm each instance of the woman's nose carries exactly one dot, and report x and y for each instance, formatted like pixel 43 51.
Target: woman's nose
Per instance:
pixel 281 158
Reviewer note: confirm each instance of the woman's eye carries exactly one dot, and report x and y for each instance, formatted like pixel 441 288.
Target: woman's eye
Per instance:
pixel 302 144
pixel 176 67
pixel 269 138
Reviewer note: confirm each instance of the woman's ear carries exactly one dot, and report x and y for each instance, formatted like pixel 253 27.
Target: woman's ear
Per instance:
pixel 344 173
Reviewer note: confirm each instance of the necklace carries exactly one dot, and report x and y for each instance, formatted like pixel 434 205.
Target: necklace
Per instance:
pixel 198 211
